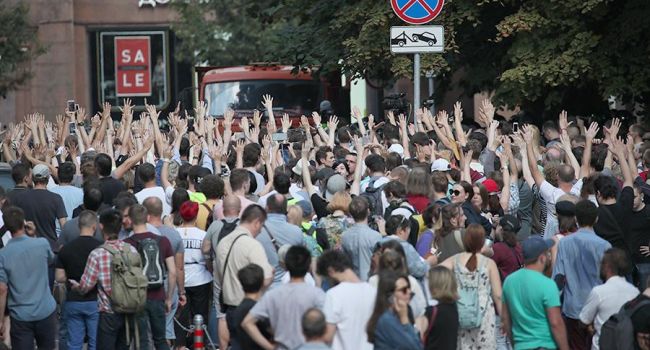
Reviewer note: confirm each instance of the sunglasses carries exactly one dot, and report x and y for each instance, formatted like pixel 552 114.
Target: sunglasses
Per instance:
pixel 403 290
pixel 454 192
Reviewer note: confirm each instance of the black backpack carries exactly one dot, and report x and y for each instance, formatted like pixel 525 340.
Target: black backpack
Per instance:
pixel 618 331
pixel 373 195
pixel 413 222
pixel 227 228
pixel 152 265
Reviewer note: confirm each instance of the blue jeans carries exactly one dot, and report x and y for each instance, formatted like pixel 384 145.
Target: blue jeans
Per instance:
pixel 154 316
pixel 169 319
pixel 502 340
pixel 81 319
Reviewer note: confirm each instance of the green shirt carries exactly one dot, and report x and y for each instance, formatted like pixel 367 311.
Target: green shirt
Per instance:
pixel 528 294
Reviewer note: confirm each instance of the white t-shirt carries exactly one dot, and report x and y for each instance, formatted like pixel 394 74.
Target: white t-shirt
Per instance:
pixel 196 273
pixel 286 278
pixel 604 301
pixel 155 192
pixel 551 194
pixel 349 306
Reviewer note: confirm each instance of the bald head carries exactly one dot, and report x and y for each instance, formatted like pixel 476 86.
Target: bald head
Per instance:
pixel 566 173
pixel 277 204
pixel 154 206
pixel 231 206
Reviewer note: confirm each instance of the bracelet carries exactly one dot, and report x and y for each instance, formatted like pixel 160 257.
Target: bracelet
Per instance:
pixel 200 136
pixel 80 124
pixel 195 158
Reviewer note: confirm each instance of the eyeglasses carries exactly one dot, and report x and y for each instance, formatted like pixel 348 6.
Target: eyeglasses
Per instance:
pixel 454 192
pixel 403 290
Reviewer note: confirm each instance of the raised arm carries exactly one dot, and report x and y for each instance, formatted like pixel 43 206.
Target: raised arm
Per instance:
pixel 355 188
pixel 537 175
pixel 133 160
pixel 585 168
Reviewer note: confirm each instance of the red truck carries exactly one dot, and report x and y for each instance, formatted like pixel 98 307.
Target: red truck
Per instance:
pixel 242 87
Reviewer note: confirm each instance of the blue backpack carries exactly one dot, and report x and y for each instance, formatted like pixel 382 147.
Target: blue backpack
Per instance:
pixel 469 308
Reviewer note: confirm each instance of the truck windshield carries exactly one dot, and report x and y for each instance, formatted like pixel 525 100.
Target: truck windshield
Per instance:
pixel 293 96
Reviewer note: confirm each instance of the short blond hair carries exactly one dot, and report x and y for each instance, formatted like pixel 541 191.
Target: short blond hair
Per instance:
pixel 294 215
pixel 442 284
pixel 340 201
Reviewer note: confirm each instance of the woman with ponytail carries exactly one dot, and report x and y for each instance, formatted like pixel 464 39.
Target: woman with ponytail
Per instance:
pixel 479 288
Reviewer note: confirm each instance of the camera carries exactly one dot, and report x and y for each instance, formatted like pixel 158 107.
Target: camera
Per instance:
pixel 396 103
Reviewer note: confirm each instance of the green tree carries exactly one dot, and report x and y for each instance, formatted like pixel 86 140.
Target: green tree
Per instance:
pixel 18 46
pixel 541 55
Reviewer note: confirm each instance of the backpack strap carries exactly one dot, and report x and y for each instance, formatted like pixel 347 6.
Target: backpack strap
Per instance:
pixel 432 320
pixel 635 307
pixel 459 239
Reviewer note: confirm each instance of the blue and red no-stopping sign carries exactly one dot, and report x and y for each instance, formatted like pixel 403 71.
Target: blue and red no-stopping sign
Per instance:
pixel 417 11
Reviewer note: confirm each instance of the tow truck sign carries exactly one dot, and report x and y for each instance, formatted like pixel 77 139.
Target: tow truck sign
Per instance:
pixel 418 39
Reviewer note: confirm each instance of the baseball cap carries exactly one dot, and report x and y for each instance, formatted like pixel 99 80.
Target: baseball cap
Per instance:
pixel 397 148
pixel 440 164
pixel 335 183
pixel 324 174
pixel 306 208
pixel 297 169
pixel 491 186
pixel 533 247
pixel 510 223
pixel 565 208
pixel 41 171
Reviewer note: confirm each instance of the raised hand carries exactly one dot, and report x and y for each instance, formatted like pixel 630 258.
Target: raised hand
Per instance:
pixel 239 147
pixel 95 121
pixel 244 124
pixel 613 130
pixel 333 123
pixel 81 115
pixel 316 117
pixel 488 111
pixel 215 153
pixel 228 118
pixel 304 122
pixel 391 117
pixel 286 123
pixel 127 109
pixel 458 112
pixel 267 101
pixel 257 118
pixel 201 110
pixel 564 123
pixel 591 132
pixel 255 134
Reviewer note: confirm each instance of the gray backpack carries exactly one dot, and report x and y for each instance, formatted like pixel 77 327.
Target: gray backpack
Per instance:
pixel 128 282
pixel 617 333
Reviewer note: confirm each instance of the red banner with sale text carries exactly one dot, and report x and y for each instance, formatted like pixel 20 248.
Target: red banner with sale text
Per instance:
pixel 133 66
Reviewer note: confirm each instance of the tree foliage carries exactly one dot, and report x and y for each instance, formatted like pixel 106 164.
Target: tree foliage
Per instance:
pixel 541 55
pixel 18 45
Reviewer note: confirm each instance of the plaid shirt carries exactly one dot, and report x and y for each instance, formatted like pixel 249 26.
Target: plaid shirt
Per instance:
pixel 98 269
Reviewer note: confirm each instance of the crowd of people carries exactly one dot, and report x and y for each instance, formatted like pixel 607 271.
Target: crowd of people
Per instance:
pixel 442 233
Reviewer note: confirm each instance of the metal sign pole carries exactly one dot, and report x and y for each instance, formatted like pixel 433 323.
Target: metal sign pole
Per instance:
pixel 430 75
pixel 416 88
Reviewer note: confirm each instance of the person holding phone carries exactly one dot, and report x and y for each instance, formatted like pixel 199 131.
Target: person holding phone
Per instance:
pixel 391 325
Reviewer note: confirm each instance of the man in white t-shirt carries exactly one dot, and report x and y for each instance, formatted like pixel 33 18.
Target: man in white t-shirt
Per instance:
pixel 608 298
pixel 550 194
pixel 348 305
pixel 147 174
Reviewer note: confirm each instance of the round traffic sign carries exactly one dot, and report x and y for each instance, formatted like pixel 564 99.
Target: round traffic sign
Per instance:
pixel 417 11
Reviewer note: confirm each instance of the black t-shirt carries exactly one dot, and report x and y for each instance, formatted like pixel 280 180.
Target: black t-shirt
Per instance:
pixel 636 225
pixel 641 318
pixel 72 258
pixel 608 226
pixel 444 331
pixel 17 192
pixel 110 187
pixel 43 208
pixel 234 320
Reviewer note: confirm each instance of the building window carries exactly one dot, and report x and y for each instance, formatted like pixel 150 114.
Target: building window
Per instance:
pixel 135 65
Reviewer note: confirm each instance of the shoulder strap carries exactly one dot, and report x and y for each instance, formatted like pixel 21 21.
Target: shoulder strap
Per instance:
pixel 110 249
pixel 514 252
pixel 225 265
pixel 458 239
pixel 275 243
pixel 432 320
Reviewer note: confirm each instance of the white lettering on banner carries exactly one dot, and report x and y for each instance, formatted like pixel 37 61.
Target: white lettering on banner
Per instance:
pixel 126 56
pixel 152 3
pixel 139 57
pixel 125 81
pixel 139 79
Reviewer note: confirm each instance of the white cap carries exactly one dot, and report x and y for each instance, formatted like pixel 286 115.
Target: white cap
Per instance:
pixel 440 164
pixel 397 148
